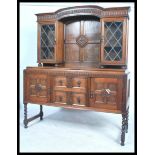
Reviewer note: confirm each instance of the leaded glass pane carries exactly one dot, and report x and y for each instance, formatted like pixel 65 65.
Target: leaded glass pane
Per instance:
pixel 47 41
pixel 113 41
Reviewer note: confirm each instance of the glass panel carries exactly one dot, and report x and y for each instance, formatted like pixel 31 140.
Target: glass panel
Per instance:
pixel 47 41
pixel 113 41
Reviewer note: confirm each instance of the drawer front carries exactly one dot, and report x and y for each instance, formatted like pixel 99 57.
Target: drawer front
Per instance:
pixel 70 84
pixel 106 93
pixel 79 83
pixel 79 99
pixel 60 97
pixel 60 82
pixel 36 88
pixel 69 98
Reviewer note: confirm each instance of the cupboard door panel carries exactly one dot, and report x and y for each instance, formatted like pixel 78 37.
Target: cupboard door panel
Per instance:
pixel 91 53
pixel 107 93
pixel 72 31
pixel 47 42
pixel 50 42
pixel 72 53
pixel 81 43
pixel 113 46
pixel 92 29
pixel 37 88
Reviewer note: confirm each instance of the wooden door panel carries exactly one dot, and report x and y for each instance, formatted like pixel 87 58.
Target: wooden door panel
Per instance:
pixel 92 29
pixel 72 53
pixel 107 93
pixel 72 31
pixel 37 88
pixel 113 46
pixel 91 53
pixel 81 43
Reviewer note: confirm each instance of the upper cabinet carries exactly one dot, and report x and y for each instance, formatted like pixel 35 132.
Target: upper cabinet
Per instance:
pixel 83 36
pixel 114 41
pixel 50 42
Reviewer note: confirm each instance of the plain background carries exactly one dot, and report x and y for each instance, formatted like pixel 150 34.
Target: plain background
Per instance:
pixel 28 49
pixel 145 77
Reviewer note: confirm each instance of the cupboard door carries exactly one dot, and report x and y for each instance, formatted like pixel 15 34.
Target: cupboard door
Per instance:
pixel 82 45
pixel 37 88
pixel 113 46
pixel 47 42
pixel 50 42
pixel 106 93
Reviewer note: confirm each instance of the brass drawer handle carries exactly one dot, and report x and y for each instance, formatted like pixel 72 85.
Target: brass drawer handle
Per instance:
pixel 79 83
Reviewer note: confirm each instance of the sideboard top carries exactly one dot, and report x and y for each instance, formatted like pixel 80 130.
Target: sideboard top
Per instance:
pixel 85 10
pixel 59 69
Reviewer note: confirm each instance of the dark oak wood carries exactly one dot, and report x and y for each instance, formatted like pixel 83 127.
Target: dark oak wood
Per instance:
pixel 82 62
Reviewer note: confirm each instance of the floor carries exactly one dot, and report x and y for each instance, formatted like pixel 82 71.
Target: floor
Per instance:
pixel 65 130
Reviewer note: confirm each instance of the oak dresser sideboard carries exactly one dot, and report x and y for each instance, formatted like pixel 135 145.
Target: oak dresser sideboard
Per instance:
pixel 82 62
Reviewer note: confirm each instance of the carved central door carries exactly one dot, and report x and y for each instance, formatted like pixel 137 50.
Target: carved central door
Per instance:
pixel 82 41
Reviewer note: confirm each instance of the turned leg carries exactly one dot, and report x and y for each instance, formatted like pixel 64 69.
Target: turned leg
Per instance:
pixel 123 129
pixel 25 115
pixel 41 112
pixel 27 120
pixel 127 118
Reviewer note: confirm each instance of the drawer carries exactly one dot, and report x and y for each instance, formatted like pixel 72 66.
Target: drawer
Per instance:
pixel 70 84
pixel 60 97
pixel 79 99
pixel 79 83
pixel 60 82
pixel 70 98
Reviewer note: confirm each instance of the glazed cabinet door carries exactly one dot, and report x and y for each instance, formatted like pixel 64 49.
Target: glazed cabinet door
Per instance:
pixel 106 93
pixel 50 40
pixel 36 88
pixel 114 39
